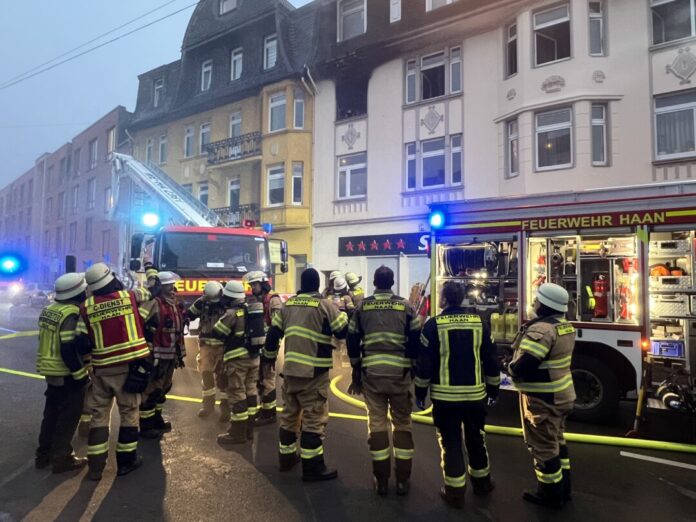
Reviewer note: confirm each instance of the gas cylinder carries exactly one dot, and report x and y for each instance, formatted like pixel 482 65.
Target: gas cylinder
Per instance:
pixel 497 326
pixel 600 289
pixel 511 325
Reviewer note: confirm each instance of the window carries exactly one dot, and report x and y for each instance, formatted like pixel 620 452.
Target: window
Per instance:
pixel 433 76
pixel 72 237
pixel 204 138
pixel 352 176
pixel 77 159
pixel 433 162
pixel 297 175
pixel 60 239
pixel 188 187
pixel 75 199
pixel 410 165
pixel 111 140
pixel 596 29
pixel 203 192
pixel 49 209
pixel 93 153
pixel 21 195
pixel 554 139
pixel 672 20
pixel 411 73
pixel 435 4
pixel 227 5
pixel 108 199
pixel 394 11
pixel 351 95
pixel 20 221
pixel 270 51
pixel 163 149
pixel 351 19
pixel 277 112
pixel 188 142
pixel 47 241
pixel 551 35
pixel 233 192
pixel 106 239
pixel 299 109
pixel 30 190
pixel 206 75
pixel 599 134
pixel 62 205
pixel 456 152
pixel 455 70
pixel 29 218
pixel 157 92
pixel 148 151
pixel 513 149
pixel 235 124
pixel 91 193
pixel 675 122
pixel 236 63
pixel 89 222
pixel 511 51
pixel 276 185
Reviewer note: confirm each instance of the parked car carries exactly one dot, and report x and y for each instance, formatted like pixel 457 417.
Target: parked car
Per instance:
pixel 32 294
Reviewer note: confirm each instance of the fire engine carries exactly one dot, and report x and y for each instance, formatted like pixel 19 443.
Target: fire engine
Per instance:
pixel 625 255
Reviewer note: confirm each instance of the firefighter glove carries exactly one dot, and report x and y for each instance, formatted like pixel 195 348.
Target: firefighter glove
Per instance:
pixel 355 387
pixel 421 394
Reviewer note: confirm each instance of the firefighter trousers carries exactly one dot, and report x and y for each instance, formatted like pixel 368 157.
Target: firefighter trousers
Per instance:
pixel 213 378
pixel 155 394
pixel 107 386
pixel 60 418
pixel 267 389
pixel 242 375
pixel 449 419
pixel 385 396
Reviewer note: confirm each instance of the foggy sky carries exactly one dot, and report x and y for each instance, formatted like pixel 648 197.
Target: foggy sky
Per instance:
pixel 42 113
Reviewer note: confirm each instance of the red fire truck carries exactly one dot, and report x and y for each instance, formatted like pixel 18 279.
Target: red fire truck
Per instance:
pixel 626 257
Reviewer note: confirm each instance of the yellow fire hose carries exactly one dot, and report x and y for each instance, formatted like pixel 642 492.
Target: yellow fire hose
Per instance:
pixel 517 432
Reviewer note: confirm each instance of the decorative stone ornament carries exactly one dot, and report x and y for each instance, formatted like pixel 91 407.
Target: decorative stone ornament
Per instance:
pixel 511 94
pixel 432 119
pixel 553 84
pixel 599 76
pixel 351 136
pixel 683 66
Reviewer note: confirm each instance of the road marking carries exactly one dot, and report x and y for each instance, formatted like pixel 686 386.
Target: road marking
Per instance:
pixel 30 333
pixel 657 460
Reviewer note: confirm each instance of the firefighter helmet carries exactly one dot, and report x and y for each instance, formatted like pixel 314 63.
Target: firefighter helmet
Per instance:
pixel 212 291
pixel 554 296
pixel 340 283
pixel 353 279
pixel 168 278
pixel 98 276
pixel 234 289
pixel 70 285
pixel 334 275
pixel 256 276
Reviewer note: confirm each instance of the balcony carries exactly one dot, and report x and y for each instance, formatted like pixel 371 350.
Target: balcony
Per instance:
pixel 235 149
pixel 234 217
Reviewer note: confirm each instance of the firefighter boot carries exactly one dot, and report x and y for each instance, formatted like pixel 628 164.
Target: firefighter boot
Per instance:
pixel 565 469
pixel 209 392
pixel 453 497
pixel 126 468
pixel 380 451
pixel 265 417
pixel 313 467
pixel 224 411
pixel 147 425
pixel 482 485
pixel 127 458
pixel 549 491
pixel 252 410
pixel 403 462
pixel 380 471
pixel 235 435
pixel 287 454
pixel 83 427
pixel 97 451
pixel 70 463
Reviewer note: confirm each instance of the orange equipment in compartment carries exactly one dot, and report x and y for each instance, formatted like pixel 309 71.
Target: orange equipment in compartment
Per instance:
pixel 600 290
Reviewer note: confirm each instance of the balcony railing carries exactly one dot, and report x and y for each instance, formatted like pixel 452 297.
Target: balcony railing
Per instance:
pixel 234 149
pixel 235 216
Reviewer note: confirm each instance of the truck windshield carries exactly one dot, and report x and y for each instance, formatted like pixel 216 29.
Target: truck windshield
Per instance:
pixel 213 253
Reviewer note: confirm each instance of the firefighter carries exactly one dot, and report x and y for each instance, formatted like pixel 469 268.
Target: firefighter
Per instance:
pixel 329 290
pixel 209 310
pixel 164 331
pixel 355 290
pixel 112 320
pixel 341 296
pixel 458 364
pixel 241 363
pixel 271 304
pixel 382 343
pixel 60 361
pixel 540 370
pixel 307 322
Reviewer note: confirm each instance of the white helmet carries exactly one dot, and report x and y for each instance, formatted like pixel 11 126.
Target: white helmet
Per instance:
pixel 256 276
pixel 212 291
pixel 554 296
pixel 335 274
pixel 353 279
pixel 70 285
pixel 340 283
pixel 234 289
pixel 98 276
pixel 168 278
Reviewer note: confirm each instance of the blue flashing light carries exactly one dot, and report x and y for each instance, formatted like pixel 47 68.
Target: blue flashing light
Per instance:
pixel 436 219
pixel 151 220
pixel 268 228
pixel 10 265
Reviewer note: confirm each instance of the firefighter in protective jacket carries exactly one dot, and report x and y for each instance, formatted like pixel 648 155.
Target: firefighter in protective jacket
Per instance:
pixel 540 370
pixel 355 290
pixel 60 361
pixel 307 321
pixel 164 331
pixel 112 319
pixel 382 346
pixel 458 364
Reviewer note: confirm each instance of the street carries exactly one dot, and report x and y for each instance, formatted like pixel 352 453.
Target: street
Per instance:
pixel 187 476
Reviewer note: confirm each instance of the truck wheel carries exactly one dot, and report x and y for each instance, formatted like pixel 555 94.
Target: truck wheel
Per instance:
pixel 597 390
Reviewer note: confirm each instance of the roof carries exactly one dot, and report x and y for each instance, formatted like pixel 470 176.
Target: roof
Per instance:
pixel 217 230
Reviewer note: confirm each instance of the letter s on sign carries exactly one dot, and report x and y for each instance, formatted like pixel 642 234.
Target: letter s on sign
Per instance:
pixel 423 246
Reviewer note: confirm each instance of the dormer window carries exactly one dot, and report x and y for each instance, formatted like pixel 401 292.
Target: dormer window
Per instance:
pixel 227 5
pixel 270 51
pixel 158 90
pixel 206 75
pixel 352 20
pixel 236 63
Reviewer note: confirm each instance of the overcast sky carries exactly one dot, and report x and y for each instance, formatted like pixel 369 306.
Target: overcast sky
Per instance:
pixel 42 113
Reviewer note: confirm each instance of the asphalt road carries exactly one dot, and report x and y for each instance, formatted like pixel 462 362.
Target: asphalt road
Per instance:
pixel 188 477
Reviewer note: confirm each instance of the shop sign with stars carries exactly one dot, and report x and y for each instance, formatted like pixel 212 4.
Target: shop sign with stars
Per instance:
pixel 383 245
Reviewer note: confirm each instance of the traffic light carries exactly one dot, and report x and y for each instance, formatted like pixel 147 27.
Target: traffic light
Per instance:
pixel 436 219
pixel 150 219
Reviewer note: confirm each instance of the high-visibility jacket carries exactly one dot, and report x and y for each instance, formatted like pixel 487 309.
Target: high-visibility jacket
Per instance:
pixel 307 321
pixel 209 313
pixel 357 294
pixel 165 322
pixel 540 366
pixel 115 327
pixel 383 335
pixel 458 358
pixel 231 328
pixel 57 324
